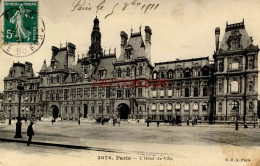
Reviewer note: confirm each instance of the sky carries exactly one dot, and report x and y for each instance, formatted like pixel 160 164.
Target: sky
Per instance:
pixel 180 28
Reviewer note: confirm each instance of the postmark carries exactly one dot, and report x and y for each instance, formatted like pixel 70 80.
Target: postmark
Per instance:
pixel 23 30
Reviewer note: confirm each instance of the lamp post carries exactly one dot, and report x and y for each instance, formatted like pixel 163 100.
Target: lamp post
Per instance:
pixel 237 118
pixel 19 124
pixel 102 109
pixel 10 111
pixel 148 116
pixel 254 119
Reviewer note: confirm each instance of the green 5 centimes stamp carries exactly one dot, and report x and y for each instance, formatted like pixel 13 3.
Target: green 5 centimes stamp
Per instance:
pixel 20 24
pixel 23 30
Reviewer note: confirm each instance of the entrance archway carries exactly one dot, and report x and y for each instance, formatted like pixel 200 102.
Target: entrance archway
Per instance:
pixel 55 111
pixel 123 111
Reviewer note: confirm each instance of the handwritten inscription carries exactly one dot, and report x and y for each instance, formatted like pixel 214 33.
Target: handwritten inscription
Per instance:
pixel 82 5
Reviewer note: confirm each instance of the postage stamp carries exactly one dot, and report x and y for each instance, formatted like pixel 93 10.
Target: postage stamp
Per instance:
pixel 21 21
pixel 23 30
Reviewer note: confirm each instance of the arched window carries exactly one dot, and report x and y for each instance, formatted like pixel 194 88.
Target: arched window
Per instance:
pixel 195 72
pixel 234 87
pixel 161 107
pixel 140 69
pixel 195 106
pixel 51 79
pixel 170 74
pixel 153 107
pixel 186 106
pixel 128 55
pixel 187 72
pixel 58 79
pixel 221 66
pixel 162 75
pixel 187 92
pixel 204 106
pixel 205 91
pixel 155 75
pixel 177 106
pixel 119 72
pixel 235 106
pixel 169 107
pixel 196 91
pixel 128 72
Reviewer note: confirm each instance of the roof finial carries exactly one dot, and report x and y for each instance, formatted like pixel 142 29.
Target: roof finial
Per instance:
pixel 115 50
pixel 60 44
pixel 96 13
pixel 109 50
pixel 131 30
pixel 243 20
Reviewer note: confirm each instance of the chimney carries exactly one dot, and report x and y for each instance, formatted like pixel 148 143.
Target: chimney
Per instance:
pixel 217 33
pixel 124 38
pixel 148 34
pixel 55 50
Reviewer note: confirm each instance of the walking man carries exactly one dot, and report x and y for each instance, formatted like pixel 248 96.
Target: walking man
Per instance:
pixel 30 133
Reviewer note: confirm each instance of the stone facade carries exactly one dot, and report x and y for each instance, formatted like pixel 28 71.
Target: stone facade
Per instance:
pixel 222 89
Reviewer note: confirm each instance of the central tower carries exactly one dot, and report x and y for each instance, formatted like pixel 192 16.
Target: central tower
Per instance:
pixel 95 50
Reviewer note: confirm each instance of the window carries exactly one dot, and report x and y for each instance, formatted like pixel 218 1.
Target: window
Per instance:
pixel 169 107
pixel 99 93
pixel 128 71
pixel 162 75
pixel 221 66
pixel 204 106
pixel 235 105
pixel 58 79
pixel 169 92
pixel 127 93
pixel 153 107
pixel 235 65
pixel 178 92
pixel 108 109
pixel 73 93
pixel 154 93
pixel 251 105
pixel 79 93
pixel 100 109
pixel 86 93
pixel 101 74
pixel 187 92
pixel 93 109
pixel 170 74
pixel 93 91
pixel 51 79
pixel 186 106
pixel 128 55
pixel 108 92
pixel 155 75
pixel 140 70
pixel 119 94
pixel 72 109
pixel 195 106
pixel 57 96
pixel 196 91
pixel 65 109
pixel 179 75
pixel 52 97
pixel 78 109
pixel 219 106
pixel 205 91
pixel 177 106
pixel 187 72
pixel 234 87
pixel 119 72
pixel 161 93
pixel 161 107
pixel 140 92
pixel 235 44
pixel 66 91
pixel 205 71
pixel 195 72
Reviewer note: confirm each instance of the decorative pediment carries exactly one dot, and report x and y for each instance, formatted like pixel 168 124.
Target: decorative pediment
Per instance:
pixel 251 47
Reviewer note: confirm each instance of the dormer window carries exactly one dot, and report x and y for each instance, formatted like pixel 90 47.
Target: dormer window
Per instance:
pixel 162 75
pixel 140 69
pixel 235 44
pixel 128 72
pixel 101 74
pixel 170 74
pixel 187 72
pixel 119 72
pixel 155 75
pixel 128 56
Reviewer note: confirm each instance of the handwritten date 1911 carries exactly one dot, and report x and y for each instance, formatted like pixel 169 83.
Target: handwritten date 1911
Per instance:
pixel 82 5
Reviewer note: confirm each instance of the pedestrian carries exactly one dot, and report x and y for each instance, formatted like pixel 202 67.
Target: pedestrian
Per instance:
pixel 30 133
pixel 158 123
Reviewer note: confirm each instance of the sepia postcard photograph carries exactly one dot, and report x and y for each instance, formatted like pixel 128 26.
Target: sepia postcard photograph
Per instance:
pixel 129 83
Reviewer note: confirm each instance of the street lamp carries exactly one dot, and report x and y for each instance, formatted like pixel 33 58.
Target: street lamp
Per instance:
pixel 254 119
pixel 148 116
pixel 18 134
pixel 237 119
pixel 10 111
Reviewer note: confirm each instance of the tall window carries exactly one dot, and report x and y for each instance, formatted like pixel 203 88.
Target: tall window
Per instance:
pixel 162 75
pixel 93 91
pixel 153 107
pixel 204 106
pixel 195 106
pixel 101 74
pixel 186 106
pixel 196 91
pixel 205 71
pixel 205 91
pixel 119 93
pixel 79 93
pixel 108 92
pixel 235 44
pixel 119 72
pixel 65 109
pixel 140 70
pixel 161 107
pixel 235 105
pixel 170 74
pixel 127 93
pixel 195 72
pixel 66 91
pixel 58 79
pixel 154 93
pixel 93 109
pixel 162 93
pixel 169 107
pixel 108 109
pixel 177 106
pixel 187 92
pixel 127 55
pixel 178 92
pixel 57 96
pixel 51 79
pixel 187 72
pixel 72 109
pixel 140 92
pixel 234 87
pixel 155 75
pixel 86 93
pixel 100 109
pixel 169 92
pixel 128 71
